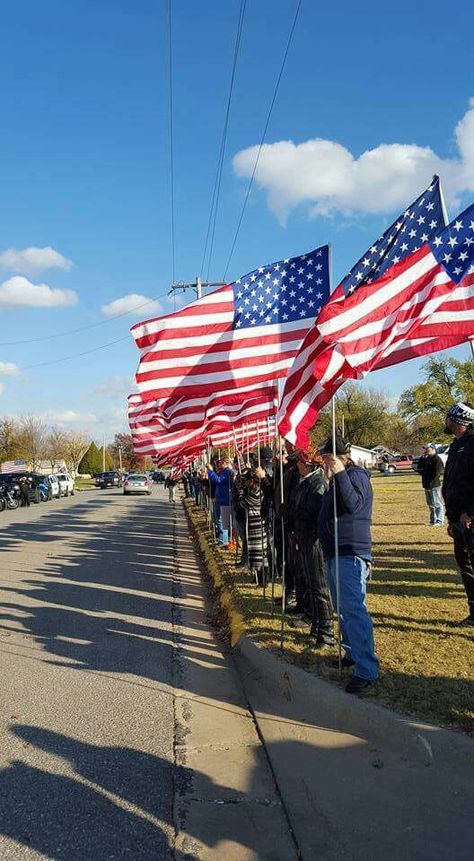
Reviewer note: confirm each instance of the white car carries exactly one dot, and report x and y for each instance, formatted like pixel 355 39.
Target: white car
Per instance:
pixel 66 484
pixel 55 486
pixel 136 483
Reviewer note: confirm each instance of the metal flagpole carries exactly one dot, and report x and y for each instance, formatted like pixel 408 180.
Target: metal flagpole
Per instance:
pixel 283 553
pixel 336 541
pixel 273 541
pixel 230 490
pixel 260 498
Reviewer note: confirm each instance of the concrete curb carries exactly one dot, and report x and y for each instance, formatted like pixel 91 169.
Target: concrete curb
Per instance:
pixel 315 701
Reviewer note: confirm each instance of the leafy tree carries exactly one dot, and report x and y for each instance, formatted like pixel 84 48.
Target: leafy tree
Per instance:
pixel 9 439
pixel 123 445
pixel 363 412
pixel 76 444
pixel 446 381
pixel 91 462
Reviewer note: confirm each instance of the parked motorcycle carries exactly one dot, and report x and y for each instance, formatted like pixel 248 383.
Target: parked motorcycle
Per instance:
pixel 9 497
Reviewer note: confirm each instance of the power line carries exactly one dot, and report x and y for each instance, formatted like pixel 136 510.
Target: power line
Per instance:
pixel 212 221
pixel 78 329
pixel 171 135
pixel 74 355
pixel 264 134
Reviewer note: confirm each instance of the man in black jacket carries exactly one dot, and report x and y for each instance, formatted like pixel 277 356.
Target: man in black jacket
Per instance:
pixel 431 471
pixel 458 493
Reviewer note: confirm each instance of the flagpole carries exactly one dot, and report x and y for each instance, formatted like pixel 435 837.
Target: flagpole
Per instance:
pixel 273 550
pixel 336 520
pixel 283 549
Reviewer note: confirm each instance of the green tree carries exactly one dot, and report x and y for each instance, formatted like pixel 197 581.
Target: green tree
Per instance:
pixel 363 412
pixel 446 381
pixel 91 462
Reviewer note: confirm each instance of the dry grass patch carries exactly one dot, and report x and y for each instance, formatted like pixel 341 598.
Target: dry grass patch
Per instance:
pixel 416 599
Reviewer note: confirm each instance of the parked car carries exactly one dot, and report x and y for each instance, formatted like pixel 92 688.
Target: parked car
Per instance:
pixel 44 485
pixel 396 463
pixel 55 488
pixel 108 479
pixel 137 483
pixel 66 484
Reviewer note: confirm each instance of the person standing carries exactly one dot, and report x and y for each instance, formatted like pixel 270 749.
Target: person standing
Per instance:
pixel 431 471
pixel 170 483
pixel 306 508
pixel 24 491
pixel 223 483
pixel 354 511
pixel 458 494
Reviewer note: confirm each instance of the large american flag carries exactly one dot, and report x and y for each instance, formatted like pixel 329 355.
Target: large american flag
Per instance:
pixel 388 310
pixel 318 371
pixel 246 333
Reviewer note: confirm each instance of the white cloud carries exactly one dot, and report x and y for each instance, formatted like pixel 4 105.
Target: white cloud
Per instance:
pixel 71 417
pixel 9 369
pixel 326 177
pixel 33 259
pixel 19 291
pixel 115 387
pixel 130 304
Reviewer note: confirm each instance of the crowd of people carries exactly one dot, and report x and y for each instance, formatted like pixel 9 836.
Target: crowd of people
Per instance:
pixel 319 529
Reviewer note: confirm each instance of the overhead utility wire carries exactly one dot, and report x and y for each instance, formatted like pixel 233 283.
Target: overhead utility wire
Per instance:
pixel 74 355
pixel 212 221
pixel 262 140
pixel 171 136
pixel 75 331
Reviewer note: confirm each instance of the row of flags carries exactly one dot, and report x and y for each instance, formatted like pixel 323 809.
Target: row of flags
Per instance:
pixel 208 373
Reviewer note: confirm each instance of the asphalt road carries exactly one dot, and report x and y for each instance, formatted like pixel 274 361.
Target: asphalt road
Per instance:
pixel 86 705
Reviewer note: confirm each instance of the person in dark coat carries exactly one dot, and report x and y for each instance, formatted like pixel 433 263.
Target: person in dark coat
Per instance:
pixel 458 494
pixel 353 490
pixel 431 472
pixel 306 508
pixel 257 545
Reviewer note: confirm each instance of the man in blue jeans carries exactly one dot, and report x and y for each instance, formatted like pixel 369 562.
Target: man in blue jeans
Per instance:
pixel 354 511
pixel 431 472
pixel 222 479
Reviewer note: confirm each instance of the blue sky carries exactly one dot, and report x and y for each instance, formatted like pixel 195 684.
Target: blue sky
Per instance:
pixel 84 161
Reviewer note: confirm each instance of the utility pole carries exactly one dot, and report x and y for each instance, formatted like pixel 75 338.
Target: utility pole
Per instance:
pixel 198 286
pixel 120 457
pixel 103 454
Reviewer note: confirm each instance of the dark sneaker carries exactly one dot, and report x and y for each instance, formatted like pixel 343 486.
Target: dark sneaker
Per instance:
pixel 324 644
pixel 357 685
pixel 467 623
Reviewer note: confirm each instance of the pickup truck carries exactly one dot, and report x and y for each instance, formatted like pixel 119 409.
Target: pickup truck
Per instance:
pixel 397 463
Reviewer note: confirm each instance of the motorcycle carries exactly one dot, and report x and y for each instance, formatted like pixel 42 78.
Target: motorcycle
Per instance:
pixel 9 497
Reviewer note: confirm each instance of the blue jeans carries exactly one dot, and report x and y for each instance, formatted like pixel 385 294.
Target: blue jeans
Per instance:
pixel 434 501
pixel 356 625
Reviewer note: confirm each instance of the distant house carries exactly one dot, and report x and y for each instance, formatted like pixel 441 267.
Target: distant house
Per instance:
pixel 44 467
pixel 361 456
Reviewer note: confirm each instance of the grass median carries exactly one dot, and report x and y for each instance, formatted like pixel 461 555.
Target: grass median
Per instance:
pixel 416 599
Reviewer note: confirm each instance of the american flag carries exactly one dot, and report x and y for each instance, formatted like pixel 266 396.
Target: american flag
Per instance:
pixel 318 371
pixel 245 333
pixel 389 309
pixel 152 432
pixel 13 466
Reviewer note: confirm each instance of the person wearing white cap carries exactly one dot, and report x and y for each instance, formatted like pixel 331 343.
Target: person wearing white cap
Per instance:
pixel 458 494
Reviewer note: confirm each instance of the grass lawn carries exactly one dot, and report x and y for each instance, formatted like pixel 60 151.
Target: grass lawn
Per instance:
pixel 84 483
pixel 416 600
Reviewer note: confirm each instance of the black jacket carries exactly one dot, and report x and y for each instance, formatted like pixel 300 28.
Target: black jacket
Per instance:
pixel 307 502
pixel 431 471
pixel 354 509
pixel 458 484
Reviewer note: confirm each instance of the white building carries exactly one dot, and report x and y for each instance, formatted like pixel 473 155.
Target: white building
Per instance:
pixel 363 456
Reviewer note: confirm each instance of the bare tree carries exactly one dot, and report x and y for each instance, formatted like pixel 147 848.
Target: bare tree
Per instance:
pixel 76 444
pixel 55 446
pixel 32 439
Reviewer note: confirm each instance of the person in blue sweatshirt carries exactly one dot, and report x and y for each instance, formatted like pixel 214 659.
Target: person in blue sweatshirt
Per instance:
pixel 222 479
pixel 354 513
